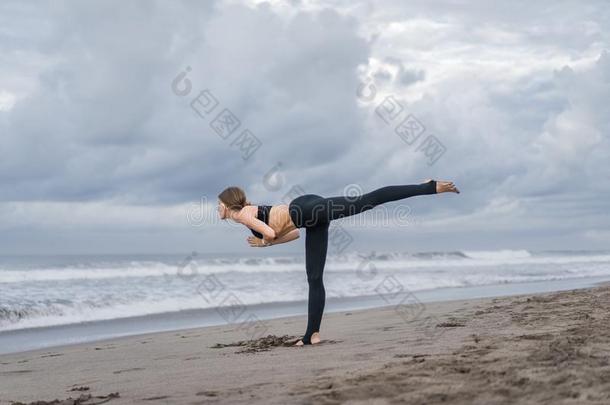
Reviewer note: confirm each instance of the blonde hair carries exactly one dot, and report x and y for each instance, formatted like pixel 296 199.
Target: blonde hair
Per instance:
pixel 234 198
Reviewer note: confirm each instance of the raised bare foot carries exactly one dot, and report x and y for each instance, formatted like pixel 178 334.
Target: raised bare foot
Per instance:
pixel 444 186
pixel 315 338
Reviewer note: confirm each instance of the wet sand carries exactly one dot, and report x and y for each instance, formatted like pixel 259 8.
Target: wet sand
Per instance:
pixel 551 348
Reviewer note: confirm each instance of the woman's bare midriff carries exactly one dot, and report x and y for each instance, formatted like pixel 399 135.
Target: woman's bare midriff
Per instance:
pixel 280 221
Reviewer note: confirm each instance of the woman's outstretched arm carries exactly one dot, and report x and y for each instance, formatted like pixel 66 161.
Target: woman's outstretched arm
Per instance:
pixel 287 237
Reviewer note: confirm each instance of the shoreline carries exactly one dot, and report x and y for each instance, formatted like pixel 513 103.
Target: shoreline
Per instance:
pixel 551 347
pixel 60 336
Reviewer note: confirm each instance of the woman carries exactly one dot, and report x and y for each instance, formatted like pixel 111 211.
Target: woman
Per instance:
pixel 276 224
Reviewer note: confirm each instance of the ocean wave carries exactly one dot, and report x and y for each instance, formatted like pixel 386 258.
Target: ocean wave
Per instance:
pixel 285 264
pixel 505 254
pixel 26 307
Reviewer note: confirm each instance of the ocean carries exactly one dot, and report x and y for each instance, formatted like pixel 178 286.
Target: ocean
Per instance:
pixel 39 293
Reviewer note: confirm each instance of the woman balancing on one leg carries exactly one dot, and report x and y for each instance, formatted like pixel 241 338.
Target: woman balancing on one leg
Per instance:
pixel 279 224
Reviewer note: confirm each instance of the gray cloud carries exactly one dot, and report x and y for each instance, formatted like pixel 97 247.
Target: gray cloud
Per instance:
pixel 516 92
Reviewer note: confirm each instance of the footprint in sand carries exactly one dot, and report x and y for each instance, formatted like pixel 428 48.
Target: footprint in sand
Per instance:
pixel 106 347
pixel 82 399
pixel 16 372
pixel 189 336
pixel 168 357
pixel 207 393
pixel 156 398
pixel 127 370
pixel 51 355
pixel 452 324
pixel 83 388
pixel 363 356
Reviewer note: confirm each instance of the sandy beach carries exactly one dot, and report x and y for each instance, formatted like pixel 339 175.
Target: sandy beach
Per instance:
pixel 551 348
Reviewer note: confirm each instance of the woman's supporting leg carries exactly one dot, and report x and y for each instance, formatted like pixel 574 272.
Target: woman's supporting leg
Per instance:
pixel 342 206
pixel 316 245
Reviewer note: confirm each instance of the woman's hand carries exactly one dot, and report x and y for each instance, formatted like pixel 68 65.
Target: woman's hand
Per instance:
pixel 256 242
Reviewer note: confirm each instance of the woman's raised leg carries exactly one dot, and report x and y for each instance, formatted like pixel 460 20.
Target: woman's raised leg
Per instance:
pixel 343 206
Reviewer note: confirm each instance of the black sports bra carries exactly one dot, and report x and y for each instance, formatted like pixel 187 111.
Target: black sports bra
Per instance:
pixel 263 215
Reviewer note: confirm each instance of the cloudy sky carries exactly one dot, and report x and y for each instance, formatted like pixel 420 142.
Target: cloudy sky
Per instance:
pixel 111 112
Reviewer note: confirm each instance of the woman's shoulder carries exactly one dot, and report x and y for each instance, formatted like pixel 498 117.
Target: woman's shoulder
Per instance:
pixel 246 212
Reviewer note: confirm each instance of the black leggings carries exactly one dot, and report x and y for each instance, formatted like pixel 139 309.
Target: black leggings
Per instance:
pixel 315 213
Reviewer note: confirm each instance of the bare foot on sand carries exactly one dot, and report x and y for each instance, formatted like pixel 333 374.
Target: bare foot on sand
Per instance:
pixel 315 339
pixel 444 186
